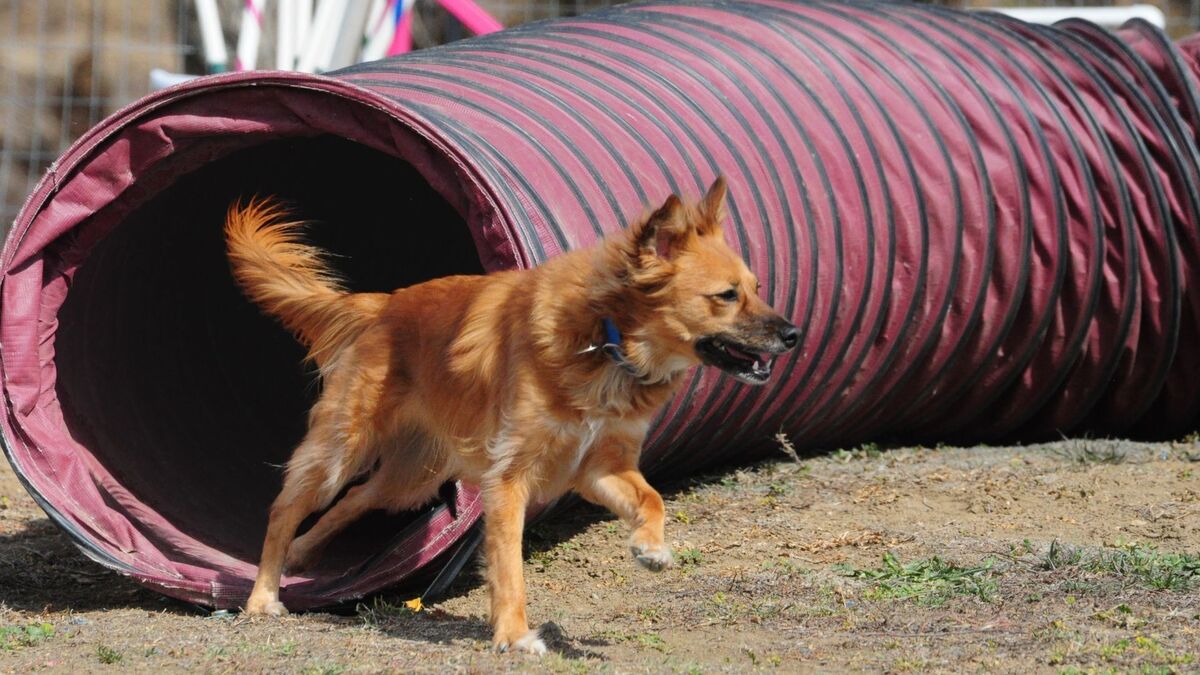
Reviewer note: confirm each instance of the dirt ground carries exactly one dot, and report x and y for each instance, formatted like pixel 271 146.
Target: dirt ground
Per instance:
pixel 1080 556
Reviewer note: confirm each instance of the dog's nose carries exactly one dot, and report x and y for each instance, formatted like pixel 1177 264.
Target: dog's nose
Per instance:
pixel 787 333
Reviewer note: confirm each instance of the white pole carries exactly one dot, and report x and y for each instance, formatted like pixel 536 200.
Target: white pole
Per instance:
pixel 349 42
pixel 380 29
pixel 250 35
pixel 1105 16
pixel 216 58
pixel 285 31
pixel 322 36
pixel 304 17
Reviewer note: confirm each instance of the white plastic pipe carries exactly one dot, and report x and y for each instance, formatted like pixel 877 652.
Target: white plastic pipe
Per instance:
pixel 304 17
pixel 250 35
pixel 1109 17
pixel 349 42
pixel 216 57
pixel 285 35
pixel 322 36
pixel 381 26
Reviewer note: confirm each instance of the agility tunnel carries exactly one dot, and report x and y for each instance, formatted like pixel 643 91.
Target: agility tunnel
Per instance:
pixel 984 229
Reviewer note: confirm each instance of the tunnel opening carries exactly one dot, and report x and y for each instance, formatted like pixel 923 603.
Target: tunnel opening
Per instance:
pixel 151 406
pixel 180 387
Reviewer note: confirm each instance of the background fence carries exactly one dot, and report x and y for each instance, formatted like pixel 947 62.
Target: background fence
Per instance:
pixel 66 64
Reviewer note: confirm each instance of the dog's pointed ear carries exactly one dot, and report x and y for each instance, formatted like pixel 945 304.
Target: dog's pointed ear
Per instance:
pixel 662 233
pixel 712 209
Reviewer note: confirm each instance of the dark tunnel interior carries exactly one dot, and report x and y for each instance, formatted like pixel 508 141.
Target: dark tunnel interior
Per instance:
pixel 181 388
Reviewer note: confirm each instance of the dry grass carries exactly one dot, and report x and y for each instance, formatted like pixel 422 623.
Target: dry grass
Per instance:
pixel 1051 558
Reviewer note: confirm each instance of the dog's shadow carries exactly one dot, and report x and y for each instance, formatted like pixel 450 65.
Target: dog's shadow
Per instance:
pixel 439 626
pixel 569 518
pixel 386 611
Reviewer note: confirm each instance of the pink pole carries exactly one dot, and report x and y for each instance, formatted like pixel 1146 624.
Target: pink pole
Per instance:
pixel 402 38
pixel 473 17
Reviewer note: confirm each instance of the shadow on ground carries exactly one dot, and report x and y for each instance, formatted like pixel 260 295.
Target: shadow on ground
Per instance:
pixel 42 571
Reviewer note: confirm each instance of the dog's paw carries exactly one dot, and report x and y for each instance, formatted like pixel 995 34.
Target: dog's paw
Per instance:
pixel 529 643
pixel 654 557
pixel 265 607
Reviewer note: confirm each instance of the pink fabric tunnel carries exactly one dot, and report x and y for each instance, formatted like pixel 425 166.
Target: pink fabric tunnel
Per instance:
pixel 984 229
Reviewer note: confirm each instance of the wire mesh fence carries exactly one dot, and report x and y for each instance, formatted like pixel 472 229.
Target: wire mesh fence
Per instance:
pixel 66 64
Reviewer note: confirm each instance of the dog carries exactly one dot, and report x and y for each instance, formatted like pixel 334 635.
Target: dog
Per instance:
pixel 527 383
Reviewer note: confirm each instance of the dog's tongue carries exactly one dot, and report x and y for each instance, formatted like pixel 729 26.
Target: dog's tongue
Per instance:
pixel 749 356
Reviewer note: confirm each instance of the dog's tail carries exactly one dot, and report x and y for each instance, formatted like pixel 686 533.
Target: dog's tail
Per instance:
pixel 290 280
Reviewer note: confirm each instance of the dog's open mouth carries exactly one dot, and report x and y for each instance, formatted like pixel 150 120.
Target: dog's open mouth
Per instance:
pixel 740 361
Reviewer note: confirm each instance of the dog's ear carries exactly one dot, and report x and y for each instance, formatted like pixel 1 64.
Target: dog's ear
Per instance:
pixel 711 209
pixel 663 232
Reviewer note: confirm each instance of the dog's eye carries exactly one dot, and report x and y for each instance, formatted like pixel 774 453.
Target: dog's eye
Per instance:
pixel 730 295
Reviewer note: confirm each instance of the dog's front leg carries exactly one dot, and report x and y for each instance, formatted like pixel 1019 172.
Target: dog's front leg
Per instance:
pixel 504 505
pixel 610 477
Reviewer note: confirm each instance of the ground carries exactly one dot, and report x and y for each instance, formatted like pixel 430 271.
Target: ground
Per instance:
pixel 1079 556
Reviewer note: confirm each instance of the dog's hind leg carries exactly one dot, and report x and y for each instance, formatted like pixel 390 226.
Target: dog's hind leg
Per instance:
pixel 406 478
pixel 610 478
pixel 306 549
pixel 306 488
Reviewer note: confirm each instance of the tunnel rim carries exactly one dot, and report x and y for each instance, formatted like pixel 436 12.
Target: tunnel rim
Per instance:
pixel 447 523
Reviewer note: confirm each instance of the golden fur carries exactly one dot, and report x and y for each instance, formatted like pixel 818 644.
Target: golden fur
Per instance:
pixel 490 379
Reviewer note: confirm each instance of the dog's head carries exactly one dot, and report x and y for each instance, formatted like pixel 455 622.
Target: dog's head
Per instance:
pixel 699 301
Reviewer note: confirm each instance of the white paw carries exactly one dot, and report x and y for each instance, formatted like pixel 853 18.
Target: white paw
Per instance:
pixel 530 643
pixel 266 608
pixel 654 557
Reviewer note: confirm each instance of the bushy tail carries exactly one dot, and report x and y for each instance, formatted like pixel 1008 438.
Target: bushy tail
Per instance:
pixel 290 280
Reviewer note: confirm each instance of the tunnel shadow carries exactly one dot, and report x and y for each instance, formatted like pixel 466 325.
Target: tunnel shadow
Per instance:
pixel 42 571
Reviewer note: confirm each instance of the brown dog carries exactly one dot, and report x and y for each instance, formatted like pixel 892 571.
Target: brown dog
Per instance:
pixel 497 380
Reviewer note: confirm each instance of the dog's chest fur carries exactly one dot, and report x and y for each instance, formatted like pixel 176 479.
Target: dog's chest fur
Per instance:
pixel 570 444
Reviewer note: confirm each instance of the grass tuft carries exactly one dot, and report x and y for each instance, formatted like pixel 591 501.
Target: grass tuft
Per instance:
pixel 1145 650
pixel 1059 556
pixel 1139 564
pixel 380 612
pixel 930 582
pixel 1149 568
pixel 864 451
pixel 644 640
pixel 689 557
pixel 14 637
pixel 1086 451
pixel 107 655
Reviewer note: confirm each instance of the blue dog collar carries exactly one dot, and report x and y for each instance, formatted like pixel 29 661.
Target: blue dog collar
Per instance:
pixel 612 346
